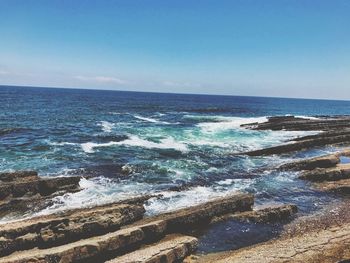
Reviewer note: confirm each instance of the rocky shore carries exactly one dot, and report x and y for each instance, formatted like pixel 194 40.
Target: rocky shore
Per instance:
pixel 121 232
pixel 323 237
pixel 117 232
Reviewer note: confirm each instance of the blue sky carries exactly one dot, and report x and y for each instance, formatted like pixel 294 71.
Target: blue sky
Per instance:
pixel 295 48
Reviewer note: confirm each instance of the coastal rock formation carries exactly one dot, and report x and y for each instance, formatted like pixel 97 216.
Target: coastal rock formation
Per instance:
pixel 108 232
pixel 51 230
pixel 291 123
pixel 24 190
pixel 328 246
pixel 173 248
pixel 341 171
pixel 265 215
pixel 313 163
pixel 341 187
pixel 336 130
pixel 201 215
pixel 331 138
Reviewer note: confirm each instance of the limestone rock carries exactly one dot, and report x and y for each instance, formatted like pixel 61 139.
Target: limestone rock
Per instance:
pixel 173 248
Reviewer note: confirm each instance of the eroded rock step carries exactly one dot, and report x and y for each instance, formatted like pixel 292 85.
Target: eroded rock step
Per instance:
pixel 52 230
pixel 108 245
pixel 25 190
pixel 173 248
pixel 340 187
pixel 270 214
pixel 313 163
pixel 197 216
pixel 327 172
pixel 301 145
pixel 292 123
pixel 18 184
pixel 341 171
pixel 94 249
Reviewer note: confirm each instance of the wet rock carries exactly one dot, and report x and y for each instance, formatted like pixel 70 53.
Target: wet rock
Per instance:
pixel 52 230
pixel 198 216
pixel 341 171
pixel 14 176
pixel 317 141
pixel 341 187
pixel 173 248
pixel 313 163
pixel 265 215
pixel 292 123
pixel 27 183
pixel 93 234
pixel 94 249
pixel 25 190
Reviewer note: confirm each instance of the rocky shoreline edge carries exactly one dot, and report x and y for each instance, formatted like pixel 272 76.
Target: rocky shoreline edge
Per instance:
pixel 120 232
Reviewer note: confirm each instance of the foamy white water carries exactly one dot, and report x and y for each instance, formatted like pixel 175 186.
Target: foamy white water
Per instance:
pixel 166 143
pixel 106 126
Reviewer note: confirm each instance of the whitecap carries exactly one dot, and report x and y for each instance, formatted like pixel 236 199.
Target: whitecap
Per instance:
pixel 152 120
pixel 106 126
pixel 61 143
pixel 306 117
pixel 228 123
pixel 167 143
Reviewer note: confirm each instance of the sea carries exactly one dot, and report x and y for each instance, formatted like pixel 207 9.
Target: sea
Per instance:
pixel 185 147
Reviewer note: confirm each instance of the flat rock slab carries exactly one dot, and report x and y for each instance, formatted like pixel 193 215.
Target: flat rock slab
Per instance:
pixel 313 163
pixel 326 246
pixel 18 185
pixel 93 249
pixel 301 144
pixel 270 214
pixel 197 216
pixel 292 123
pixel 172 249
pixel 340 187
pixel 53 230
pixel 81 235
pixel 341 171
pixel 25 190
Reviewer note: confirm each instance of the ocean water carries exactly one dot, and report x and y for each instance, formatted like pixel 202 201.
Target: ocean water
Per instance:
pixel 128 144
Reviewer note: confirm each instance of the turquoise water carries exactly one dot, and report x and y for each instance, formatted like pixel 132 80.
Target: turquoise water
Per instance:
pixel 128 143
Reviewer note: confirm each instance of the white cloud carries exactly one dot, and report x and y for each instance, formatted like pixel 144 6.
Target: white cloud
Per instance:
pixel 181 84
pixel 101 79
pixel 4 72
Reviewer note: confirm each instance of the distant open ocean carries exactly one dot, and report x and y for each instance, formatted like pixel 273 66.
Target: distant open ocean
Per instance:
pixel 131 143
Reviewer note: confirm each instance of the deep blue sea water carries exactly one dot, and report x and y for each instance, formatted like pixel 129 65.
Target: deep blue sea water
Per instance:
pixel 129 143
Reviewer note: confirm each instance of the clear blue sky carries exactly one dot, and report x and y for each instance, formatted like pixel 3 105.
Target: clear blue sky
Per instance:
pixel 294 48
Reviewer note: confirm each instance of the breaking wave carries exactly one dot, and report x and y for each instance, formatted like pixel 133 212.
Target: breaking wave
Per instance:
pixel 167 143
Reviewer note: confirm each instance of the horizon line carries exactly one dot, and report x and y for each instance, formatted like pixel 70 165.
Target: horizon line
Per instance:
pixel 174 93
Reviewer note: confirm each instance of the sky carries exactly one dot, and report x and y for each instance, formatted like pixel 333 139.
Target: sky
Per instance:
pixel 294 48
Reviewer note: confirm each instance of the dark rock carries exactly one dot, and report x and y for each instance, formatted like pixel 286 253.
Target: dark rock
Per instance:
pixel 266 215
pixel 173 248
pixel 201 215
pixel 341 187
pixel 13 176
pixel 341 171
pixel 52 230
pixel 93 249
pixel 81 235
pixel 292 123
pixel 25 190
pixel 302 144
pixel 310 164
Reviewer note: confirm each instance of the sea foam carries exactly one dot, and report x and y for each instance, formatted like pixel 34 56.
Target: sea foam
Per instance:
pixel 167 143
pixel 152 120
pixel 106 126
pixel 227 123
